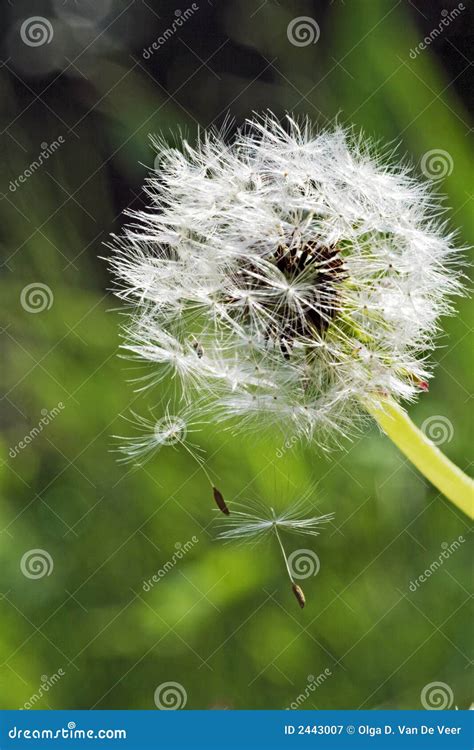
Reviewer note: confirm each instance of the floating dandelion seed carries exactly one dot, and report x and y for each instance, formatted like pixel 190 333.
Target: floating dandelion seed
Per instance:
pixel 154 434
pixel 169 430
pixel 253 520
pixel 292 278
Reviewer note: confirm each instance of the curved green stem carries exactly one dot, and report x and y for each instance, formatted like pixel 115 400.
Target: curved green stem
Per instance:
pixel 423 453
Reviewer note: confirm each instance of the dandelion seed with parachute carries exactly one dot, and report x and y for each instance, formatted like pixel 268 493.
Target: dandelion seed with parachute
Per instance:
pixel 253 521
pixel 170 430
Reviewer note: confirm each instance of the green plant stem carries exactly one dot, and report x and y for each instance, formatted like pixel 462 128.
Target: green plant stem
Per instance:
pixel 423 453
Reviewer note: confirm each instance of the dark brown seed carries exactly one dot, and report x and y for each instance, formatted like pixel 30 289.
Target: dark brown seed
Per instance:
pixel 298 592
pixel 220 502
pixel 198 349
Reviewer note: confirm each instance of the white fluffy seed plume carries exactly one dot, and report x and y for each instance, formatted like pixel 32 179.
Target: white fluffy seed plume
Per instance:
pixel 252 520
pixel 285 278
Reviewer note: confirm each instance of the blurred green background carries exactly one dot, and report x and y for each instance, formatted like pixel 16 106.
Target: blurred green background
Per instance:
pixel 222 622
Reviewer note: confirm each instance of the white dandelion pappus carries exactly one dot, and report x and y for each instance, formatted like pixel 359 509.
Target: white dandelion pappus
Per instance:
pixel 251 521
pixel 154 434
pixel 311 271
pixel 315 274
pixel 169 430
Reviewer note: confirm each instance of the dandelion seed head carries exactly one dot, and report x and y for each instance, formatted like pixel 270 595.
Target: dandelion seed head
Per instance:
pixel 286 277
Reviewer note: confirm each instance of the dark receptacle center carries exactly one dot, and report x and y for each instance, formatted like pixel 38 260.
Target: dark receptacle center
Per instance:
pixel 322 269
